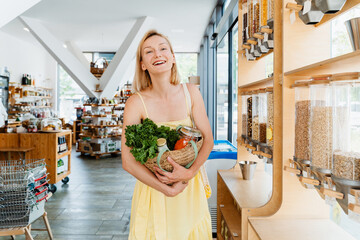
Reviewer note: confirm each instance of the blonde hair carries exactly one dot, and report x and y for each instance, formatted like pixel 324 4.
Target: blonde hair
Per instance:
pixel 142 78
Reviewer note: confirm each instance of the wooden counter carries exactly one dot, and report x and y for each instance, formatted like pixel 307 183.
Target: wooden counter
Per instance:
pixel 238 197
pixel 295 229
pixel 45 145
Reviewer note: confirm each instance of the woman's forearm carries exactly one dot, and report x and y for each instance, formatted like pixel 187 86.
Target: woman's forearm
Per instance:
pixel 203 154
pixel 143 174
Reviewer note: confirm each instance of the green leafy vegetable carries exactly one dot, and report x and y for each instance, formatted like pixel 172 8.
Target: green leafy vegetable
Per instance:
pixel 141 138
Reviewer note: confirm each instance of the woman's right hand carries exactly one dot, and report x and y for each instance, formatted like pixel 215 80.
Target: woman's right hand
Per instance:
pixel 176 188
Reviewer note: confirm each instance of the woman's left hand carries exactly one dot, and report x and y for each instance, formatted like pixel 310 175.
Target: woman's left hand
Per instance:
pixel 178 174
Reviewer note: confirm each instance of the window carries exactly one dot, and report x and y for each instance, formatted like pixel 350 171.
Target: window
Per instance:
pixel 187 65
pixel 340 37
pixel 70 95
pixel 234 85
pixel 222 103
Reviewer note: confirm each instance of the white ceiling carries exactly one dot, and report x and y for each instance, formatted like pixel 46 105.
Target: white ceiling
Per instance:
pixel 102 25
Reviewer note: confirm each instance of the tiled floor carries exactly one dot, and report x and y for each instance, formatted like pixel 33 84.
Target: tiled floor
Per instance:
pixel 95 204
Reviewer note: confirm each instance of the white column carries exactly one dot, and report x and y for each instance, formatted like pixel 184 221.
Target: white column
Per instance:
pixel 116 71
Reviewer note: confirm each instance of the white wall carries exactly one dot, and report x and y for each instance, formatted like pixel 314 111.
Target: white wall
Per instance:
pixel 22 57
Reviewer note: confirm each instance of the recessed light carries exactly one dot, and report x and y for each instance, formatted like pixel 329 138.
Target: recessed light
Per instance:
pixel 26 29
pixel 64 45
pixel 177 30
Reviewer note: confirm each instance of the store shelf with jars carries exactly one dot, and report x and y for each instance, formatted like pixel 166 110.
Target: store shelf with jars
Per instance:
pixel 100 129
pixel 307 116
pixel 257 28
pixel 29 99
pixel 259 140
pixel 285 203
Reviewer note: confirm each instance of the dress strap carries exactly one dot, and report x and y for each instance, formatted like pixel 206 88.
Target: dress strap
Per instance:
pixel 188 100
pixel 138 93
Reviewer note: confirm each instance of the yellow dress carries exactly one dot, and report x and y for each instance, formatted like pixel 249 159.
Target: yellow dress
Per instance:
pixel 183 217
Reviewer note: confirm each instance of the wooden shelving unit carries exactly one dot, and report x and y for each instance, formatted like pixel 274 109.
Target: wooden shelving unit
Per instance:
pixel 88 132
pixel 44 145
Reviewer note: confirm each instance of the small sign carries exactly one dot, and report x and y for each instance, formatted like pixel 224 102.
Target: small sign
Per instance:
pixel 307 7
pixel 292 17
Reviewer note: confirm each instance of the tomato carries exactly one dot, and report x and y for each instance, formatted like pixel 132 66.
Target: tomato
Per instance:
pixel 181 143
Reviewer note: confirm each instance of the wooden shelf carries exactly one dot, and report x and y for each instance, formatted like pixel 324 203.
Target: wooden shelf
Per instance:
pixel 100 105
pixel 344 63
pixel 96 115
pixel 232 220
pixel 94 137
pixel 63 154
pixel 99 126
pixel 62 176
pixel 267 82
pixel 248 193
pixel 298 229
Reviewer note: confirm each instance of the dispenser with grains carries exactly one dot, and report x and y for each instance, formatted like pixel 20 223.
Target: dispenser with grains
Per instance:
pixel 346 129
pixel 262 115
pixel 302 124
pixel 270 117
pixel 321 126
pixel 243 115
pixel 255 116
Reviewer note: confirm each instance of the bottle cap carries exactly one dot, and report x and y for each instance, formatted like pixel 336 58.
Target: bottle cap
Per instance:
pixel 161 142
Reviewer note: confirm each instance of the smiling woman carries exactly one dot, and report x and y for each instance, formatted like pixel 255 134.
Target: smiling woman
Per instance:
pixel 166 205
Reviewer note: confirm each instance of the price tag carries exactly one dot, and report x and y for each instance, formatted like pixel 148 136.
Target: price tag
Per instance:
pixel 307 7
pixel 247 33
pixel 259 41
pixel 266 37
pixel 252 48
pixel 292 17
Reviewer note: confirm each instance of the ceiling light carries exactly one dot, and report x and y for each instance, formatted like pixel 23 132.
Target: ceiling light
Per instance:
pixel 26 29
pixel 64 45
pixel 177 30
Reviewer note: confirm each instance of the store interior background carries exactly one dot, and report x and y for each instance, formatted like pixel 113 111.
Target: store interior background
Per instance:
pixel 98 29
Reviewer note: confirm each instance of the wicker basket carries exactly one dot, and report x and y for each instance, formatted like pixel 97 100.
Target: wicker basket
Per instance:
pixel 183 157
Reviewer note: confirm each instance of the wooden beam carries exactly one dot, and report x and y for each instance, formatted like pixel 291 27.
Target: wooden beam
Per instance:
pixel 64 57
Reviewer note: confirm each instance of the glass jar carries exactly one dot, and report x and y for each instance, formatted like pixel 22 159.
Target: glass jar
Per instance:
pixel 245 22
pixel 189 133
pixel 346 114
pixel 264 12
pixel 262 107
pixel 256 16
pixel 50 124
pixel 255 116
pixel 251 18
pixel 321 125
pixel 302 121
pixel 249 115
pixel 270 117
pixel 271 9
pixel 243 114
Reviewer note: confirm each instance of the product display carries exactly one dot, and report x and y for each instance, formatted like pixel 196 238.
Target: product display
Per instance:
pixel 302 122
pixel 51 125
